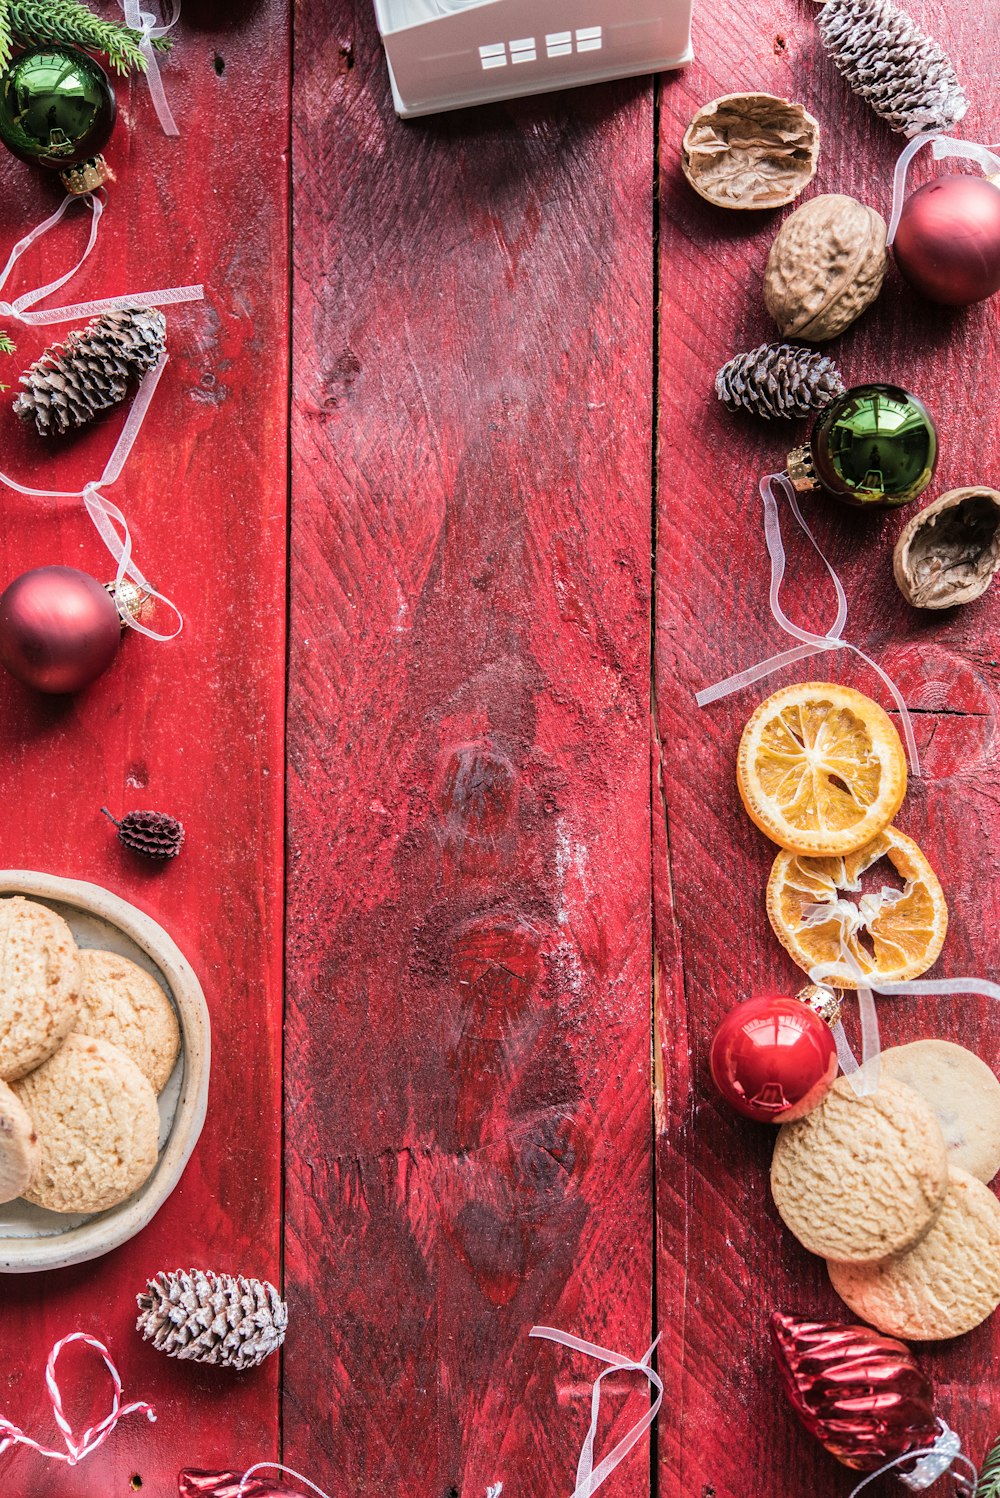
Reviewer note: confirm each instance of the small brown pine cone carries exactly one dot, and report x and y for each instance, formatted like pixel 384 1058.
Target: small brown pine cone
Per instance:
pixel 202 1317
pixel 887 60
pixel 150 833
pixel 76 381
pixel 777 380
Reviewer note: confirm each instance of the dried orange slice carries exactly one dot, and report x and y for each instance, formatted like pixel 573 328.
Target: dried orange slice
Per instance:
pixel 892 933
pixel 821 769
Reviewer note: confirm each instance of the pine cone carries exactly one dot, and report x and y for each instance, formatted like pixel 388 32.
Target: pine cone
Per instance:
pixel 150 833
pixel 779 380
pixel 75 381
pixel 212 1318
pixel 886 58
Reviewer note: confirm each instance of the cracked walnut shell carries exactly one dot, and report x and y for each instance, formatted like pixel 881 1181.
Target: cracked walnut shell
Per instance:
pixel 949 551
pixel 826 267
pixel 750 151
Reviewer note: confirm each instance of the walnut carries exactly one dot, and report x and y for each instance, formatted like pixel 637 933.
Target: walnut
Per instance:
pixel 750 151
pixel 825 267
pixel 949 551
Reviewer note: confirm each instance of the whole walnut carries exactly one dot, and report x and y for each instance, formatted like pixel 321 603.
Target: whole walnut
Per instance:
pixel 826 267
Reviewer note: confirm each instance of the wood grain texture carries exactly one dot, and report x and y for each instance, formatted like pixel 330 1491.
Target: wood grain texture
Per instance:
pixel 194 727
pixel 725 1260
pixel 468 1056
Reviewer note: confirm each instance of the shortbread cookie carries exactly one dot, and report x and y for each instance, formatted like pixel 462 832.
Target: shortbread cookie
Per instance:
pixel 964 1094
pixel 947 1285
pixel 18 1146
pixel 97 1123
pixel 125 1005
pixel 39 984
pixel 861 1178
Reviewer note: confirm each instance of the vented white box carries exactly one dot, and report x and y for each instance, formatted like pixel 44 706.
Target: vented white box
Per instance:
pixel 445 54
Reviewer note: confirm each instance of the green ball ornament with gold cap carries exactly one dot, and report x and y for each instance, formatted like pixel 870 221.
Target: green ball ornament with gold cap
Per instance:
pixel 875 447
pixel 57 109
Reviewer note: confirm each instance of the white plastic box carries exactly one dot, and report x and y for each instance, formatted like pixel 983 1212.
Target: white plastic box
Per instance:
pixel 445 54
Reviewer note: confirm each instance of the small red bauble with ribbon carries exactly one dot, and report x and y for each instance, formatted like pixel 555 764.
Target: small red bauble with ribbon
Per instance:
pixel 59 629
pixel 774 1057
pixel 948 241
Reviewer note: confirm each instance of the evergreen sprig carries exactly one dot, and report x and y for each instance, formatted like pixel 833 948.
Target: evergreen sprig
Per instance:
pixel 33 23
pixel 989 1477
pixel 6 346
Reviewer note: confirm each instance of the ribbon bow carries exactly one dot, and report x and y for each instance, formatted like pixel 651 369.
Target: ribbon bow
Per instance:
pixel 106 516
pixel 150 29
pixel 811 644
pixel 95 1435
pixel 588 1477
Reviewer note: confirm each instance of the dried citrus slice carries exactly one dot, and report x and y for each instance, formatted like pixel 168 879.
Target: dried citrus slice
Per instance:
pixel 892 933
pixel 821 769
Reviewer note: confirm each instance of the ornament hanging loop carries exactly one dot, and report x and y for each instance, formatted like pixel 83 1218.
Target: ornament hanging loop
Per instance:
pixel 943 146
pixel 151 28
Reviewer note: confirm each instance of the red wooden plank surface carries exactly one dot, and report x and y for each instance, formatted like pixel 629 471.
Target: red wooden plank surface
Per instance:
pixel 725 1260
pixel 468 1090
pixel 193 727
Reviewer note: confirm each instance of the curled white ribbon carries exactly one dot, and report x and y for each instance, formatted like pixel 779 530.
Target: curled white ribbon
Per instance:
pixel 151 28
pixel 811 644
pixel 108 519
pixel 943 147
pixel 588 1477
pixel 931 1462
pixel 276 1467
pixel 95 1435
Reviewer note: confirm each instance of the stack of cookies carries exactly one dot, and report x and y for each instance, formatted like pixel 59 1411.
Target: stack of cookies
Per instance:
pixel 892 1190
pixel 87 1040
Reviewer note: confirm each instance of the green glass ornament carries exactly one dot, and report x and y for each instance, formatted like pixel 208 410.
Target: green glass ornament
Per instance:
pixel 875 446
pixel 57 107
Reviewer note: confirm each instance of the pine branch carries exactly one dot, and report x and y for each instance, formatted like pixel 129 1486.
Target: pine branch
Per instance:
pixel 35 22
pixel 6 40
pixel 6 346
pixel 989 1477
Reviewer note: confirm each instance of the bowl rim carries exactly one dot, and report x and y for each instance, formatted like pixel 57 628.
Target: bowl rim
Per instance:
pixel 110 1229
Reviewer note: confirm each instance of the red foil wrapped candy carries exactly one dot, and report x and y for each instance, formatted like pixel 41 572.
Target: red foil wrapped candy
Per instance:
pixel 227 1485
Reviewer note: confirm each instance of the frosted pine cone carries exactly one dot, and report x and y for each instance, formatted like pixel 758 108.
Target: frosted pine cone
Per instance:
pixel 76 381
pixel 779 380
pixel 152 834
pixel 212 1318
pixel 886 58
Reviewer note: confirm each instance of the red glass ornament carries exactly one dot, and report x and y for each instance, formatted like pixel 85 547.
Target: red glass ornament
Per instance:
pixel 59 629
pixel 948 241
pixel 773 1058
pixel 227 1485
pixel 863 1395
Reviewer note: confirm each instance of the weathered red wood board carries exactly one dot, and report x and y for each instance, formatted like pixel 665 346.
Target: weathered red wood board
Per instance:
pixel 468 1038
pixel 194 727
pixel 725 1261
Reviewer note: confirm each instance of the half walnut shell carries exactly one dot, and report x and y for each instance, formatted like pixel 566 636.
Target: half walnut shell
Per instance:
pixel 750 151
pixel 949 552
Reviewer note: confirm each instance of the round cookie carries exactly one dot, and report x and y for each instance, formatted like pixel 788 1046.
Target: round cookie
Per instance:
pixel 97 1123
pixel 861 1178
pixel 39 985
pixel 18 1146
pixel 123 1004
pixel 945 1286
pixel 964 1094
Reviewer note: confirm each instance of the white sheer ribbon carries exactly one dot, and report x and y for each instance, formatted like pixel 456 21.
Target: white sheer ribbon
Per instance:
pixel 277 1467
pixel 588 1477
pixel 943 146
pixel 811 644
pixel 108 519
pixel 76 1447
pixel 151 28
pixel 931 1462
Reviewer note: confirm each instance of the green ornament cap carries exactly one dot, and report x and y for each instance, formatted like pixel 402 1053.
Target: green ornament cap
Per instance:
pixel 57 107
pixel 874 446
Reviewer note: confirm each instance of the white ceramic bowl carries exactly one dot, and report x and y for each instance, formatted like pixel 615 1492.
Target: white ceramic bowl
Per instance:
pixel 32 1238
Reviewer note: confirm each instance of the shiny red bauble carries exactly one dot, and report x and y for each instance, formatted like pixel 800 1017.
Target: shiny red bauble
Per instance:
pixel 773 1058
pixel 948 241
pixel 59 629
